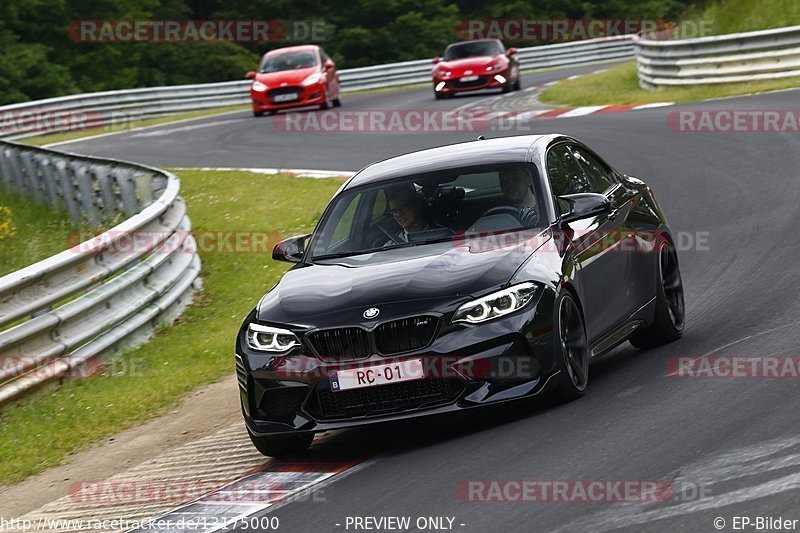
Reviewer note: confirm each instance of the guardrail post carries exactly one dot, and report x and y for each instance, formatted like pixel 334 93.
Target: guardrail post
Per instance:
pixel 6 176
pixel 67 189
pixel 86 191
pixel 125 180
pixel 34 179
pixel 108 196
pixel 49 179
pixel 17 177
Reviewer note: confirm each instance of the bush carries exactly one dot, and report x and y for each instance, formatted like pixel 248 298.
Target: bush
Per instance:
pixel 7 229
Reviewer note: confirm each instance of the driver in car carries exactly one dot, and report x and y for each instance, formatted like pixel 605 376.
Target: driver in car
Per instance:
pixel 517 187
pixel 407 209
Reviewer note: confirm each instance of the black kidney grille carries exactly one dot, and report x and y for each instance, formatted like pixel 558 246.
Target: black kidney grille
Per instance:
pixel 342 344
pixel 385 398
pixel 406 334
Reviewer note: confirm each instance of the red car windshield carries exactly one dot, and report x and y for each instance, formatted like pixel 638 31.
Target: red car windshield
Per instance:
pixel 288 61
pixel 472 49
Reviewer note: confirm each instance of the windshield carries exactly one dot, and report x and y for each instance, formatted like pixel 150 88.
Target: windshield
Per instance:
pixel 472 49
pixel 430 208
pixel 287 61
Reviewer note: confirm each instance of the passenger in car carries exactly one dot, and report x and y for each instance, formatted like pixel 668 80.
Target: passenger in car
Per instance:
pixel 517 187
pixel 407 209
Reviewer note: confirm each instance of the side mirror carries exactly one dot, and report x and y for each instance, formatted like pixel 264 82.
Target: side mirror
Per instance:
pixel 584 205
pixel 250 75
pixel 511 51
pixel 291 250
pixel 436 59
pixel 328 64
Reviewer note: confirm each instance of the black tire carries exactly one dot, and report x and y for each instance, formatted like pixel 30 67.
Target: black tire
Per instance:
pixel 438 96
pixel 258 113
pixel 508 87
pixel 281 445
pixel 572 348
pixel 272 113
pixel 326 104
pixel 337 102
pixel 669 318
pixel 518 84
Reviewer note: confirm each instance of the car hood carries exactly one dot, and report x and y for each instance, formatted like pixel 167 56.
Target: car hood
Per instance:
pixel 470 63
pixel 289 77
pixel 444 272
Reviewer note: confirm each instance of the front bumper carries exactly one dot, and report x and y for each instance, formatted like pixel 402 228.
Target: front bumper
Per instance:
pixel 305 96
pixel 487 80
pixel 465 367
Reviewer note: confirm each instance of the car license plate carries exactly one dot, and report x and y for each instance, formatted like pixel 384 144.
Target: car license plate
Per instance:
pixel 469 78
pixel 373 376
pixel 284 97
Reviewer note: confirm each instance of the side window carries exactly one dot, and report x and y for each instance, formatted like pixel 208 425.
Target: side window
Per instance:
pixel 323 55
pixel 343 228
pixel 379 207
pixel 600 176
pixel 565 174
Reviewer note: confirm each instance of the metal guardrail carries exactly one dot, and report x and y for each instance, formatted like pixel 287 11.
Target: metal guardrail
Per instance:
pixel 104 295
pixel 737 57
pixel 95 110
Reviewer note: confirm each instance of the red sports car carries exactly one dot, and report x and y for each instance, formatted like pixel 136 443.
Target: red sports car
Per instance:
pixel 474 65
pixel 297 76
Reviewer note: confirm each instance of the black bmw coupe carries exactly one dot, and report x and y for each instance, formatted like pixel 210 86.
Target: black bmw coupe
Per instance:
pixel 457 277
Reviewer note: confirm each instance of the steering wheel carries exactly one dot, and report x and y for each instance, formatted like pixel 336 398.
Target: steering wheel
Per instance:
pixel 502 210
pixel 395 239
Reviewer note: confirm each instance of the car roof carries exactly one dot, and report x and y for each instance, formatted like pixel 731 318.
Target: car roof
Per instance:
pixel 475 41
pixel 299 48
pixel 512 149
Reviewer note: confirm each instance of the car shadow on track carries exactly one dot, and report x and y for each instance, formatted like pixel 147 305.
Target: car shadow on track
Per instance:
pixel 400 437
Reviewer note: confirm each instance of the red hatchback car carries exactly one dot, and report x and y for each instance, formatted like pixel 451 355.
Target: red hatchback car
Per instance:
pixel 474 65
pixel 296 76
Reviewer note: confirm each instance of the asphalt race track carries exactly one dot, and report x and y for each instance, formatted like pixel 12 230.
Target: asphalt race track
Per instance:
pixel 732 445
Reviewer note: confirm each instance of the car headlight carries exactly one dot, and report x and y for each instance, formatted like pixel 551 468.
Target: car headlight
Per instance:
pixel 268 339
pixel 311 80
pixel 442 72
pixel 259 87
pixel 497 304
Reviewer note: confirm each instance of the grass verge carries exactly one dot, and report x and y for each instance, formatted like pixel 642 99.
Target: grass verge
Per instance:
pixel 38 232
pixel 620 85
pixel 43 430
pixel 734 16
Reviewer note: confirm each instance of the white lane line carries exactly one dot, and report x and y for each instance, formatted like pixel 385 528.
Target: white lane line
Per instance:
pixel 737 341
pixel 650 106
pixel 306 173
pixel 170 131
pixel 581 111
pixel 140 128
pixel 737 464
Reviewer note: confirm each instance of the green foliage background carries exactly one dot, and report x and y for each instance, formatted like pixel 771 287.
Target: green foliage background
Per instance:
pixel 38 60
